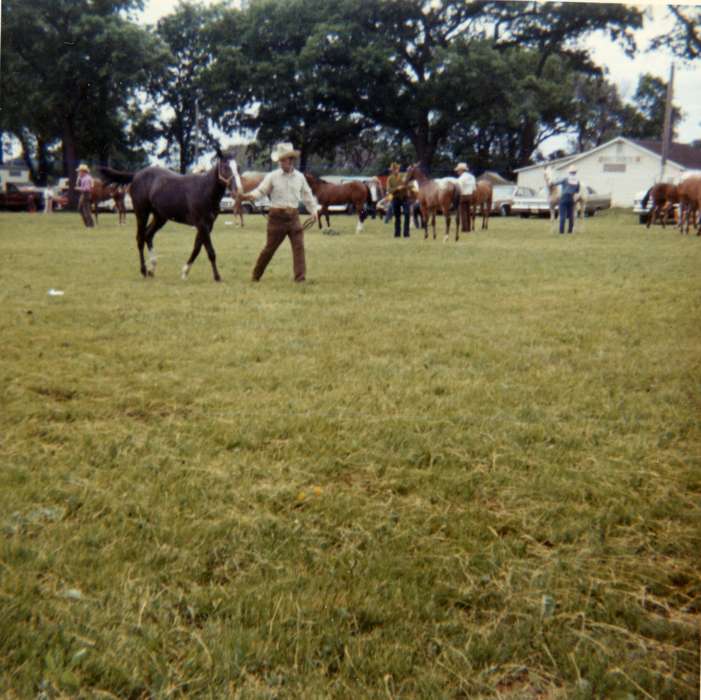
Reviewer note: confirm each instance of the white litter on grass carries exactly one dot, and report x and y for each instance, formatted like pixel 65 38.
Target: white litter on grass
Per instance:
pixel 55 292
pixel 228 223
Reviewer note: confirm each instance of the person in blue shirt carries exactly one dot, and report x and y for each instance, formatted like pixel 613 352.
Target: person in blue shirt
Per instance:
pixel 569 187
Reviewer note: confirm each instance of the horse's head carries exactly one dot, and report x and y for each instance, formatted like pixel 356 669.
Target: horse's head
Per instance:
pixel 412 172
pixel 548 175
pixel 227 171
pixel 312 180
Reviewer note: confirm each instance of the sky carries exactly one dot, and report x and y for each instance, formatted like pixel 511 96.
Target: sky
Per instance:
pixel 622 71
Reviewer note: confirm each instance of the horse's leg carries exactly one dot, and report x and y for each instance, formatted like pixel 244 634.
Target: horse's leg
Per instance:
pixel 141 219
pixel 433 223
pixel 156 225
pixel 207 240
pixel 193 256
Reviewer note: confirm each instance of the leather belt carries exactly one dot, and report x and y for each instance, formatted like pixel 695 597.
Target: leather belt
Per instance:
pixel 284 210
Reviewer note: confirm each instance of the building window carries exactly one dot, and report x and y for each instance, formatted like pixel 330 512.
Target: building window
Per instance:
pixel 614 167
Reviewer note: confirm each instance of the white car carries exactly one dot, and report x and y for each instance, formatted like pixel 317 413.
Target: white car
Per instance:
pixel 260 206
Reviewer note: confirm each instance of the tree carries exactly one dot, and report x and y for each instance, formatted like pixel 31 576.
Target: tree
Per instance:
pixel 270 83
pixel 645 118
pixel 178 85
pixel 70 69
pixel 685 38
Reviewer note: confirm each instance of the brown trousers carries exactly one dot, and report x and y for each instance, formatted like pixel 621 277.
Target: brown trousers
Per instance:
pixel 283 223
pixel 466 212
pixel 84 209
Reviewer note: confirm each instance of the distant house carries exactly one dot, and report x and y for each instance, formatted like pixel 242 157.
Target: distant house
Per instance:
pixel 622 167
pixel 14 171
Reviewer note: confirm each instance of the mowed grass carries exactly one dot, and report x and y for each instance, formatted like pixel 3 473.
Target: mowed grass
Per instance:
pixel 467 470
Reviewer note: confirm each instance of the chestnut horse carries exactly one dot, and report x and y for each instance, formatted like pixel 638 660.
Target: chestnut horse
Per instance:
pixel 101 192
pixel 435 196
pixel 689 192
pixel 185 199
pixel 249 181
pixel 355 193
pixel 664 196
pixel 482 198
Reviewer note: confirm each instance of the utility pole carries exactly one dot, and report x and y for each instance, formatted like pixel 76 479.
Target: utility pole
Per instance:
pixel 667 128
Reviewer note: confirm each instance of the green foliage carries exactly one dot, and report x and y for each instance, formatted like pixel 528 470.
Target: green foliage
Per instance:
pixel 434 471
pixel 179 84
pixel 685 38
pixel 71 68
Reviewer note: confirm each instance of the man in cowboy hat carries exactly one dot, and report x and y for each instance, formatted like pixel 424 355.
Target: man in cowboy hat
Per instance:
pixel 569 187
pixel 285 187
pixel 84 185
pixel 397 189
pixel 466 188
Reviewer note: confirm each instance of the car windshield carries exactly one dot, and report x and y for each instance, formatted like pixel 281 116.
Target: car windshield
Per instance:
pixel 524 192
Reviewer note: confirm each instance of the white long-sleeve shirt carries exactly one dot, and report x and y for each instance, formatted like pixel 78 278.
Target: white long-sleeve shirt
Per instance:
pixel 286 190
pixel 467 183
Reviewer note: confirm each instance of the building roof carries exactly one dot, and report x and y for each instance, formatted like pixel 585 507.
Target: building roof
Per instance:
pixel 682 154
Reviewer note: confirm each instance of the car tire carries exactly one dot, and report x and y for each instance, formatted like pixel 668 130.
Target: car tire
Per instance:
pixel 643 218
pixel 504 210
pixel 247 208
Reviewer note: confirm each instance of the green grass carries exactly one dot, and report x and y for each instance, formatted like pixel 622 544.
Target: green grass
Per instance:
pixel 434 471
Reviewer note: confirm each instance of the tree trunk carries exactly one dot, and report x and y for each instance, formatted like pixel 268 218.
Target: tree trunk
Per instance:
pixel 70 160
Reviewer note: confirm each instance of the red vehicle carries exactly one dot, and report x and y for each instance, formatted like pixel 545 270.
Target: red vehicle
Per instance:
pixel 18 198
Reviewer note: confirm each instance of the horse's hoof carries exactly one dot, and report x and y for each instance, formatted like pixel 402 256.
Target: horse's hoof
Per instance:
pixel 150 273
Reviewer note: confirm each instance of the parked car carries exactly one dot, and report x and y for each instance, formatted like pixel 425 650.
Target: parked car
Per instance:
pixel 503 198
pixel 21 197
pixel 538 204
pixel 260 206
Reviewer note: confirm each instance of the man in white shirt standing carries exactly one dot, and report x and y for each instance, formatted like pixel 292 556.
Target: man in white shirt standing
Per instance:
pixel 285 187
pixel 466 185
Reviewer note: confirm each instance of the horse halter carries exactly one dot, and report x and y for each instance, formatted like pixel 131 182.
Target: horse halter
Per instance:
pixel 225 180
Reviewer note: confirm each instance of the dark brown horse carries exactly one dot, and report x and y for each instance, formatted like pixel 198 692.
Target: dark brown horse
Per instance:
pixel 355 193
pixel 186 199
pixel 435 196
pixel 664 196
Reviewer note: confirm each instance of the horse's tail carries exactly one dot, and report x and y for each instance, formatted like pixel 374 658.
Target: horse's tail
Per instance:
pixel 111 175
pixel 646 198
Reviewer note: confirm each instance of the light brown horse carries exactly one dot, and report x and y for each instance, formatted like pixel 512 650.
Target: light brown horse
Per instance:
pixel 249 181
pixel 435 196
pixel 664 196
pixel 482 198
pixel 102 192
pixel 689 192
pixel 326 193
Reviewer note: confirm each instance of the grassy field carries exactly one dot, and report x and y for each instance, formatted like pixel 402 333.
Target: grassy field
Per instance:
pixel 466 470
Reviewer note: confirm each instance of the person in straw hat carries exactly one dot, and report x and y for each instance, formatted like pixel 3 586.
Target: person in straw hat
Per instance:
pixel 84 185
pixel 569 187
pixel 285 187
pixel 466 187
pixel 397 189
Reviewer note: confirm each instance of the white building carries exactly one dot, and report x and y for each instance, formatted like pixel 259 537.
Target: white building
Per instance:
pixel 14 171
pixel 622 167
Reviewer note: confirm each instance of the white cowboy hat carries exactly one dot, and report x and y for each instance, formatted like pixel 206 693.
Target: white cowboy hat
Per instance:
pixel 572 169
pixel 283 150
pixel 82 166
pixel 461 167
